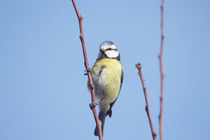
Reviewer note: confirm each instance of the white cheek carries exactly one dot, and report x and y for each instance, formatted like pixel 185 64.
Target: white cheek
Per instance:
pixel 112 54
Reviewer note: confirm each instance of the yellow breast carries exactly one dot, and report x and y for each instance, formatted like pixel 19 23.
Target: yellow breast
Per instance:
pixel 108 79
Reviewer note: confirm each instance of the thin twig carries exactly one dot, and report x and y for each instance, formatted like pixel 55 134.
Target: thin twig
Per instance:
pixel 80 18
pixel 154 134
pixel 161 71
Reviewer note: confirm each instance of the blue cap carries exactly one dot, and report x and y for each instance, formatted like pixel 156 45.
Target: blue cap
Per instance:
pixel 107 43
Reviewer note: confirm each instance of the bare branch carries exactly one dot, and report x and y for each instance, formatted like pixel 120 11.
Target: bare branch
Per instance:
pixel 161 71
pixel 80 18
pixel 154 134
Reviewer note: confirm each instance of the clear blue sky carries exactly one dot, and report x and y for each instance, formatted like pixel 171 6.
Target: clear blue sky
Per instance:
pixel 43 94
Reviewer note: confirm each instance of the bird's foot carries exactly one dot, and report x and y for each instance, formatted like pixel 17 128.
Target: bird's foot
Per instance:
pixel 92 105
pixel 86 71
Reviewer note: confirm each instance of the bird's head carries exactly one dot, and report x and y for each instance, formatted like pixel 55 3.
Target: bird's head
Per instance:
pixel 108 50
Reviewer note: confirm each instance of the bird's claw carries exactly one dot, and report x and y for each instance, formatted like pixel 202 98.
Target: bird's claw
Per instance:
pixel 92 105
pixel 86 71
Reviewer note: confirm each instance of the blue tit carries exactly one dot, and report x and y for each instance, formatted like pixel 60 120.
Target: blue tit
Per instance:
pixel 107 75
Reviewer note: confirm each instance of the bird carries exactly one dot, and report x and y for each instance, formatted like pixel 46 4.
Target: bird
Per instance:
pixel 107 76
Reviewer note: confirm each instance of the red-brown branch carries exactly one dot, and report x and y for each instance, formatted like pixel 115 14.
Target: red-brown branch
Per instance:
pixel 154 134
pixel 161 71
pixel 80 18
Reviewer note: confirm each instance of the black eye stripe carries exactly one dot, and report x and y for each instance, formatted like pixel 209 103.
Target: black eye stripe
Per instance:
pixel 109 49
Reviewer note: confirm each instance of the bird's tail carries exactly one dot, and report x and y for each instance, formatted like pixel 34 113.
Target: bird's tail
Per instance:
pixel 102 117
